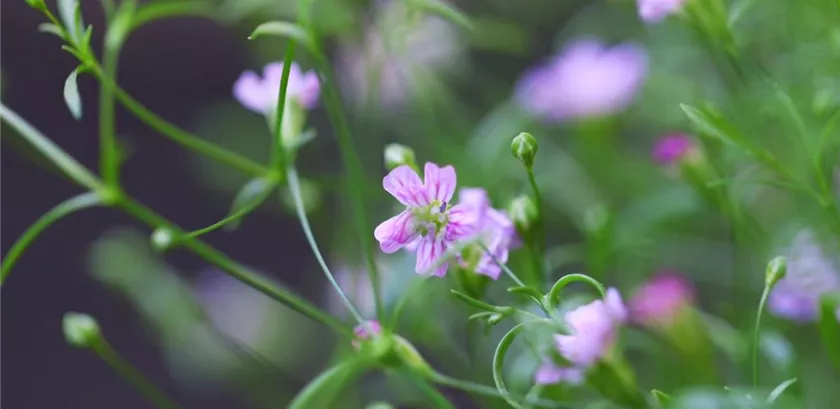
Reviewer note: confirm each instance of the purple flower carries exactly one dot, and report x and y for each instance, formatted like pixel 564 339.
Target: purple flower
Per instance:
pixel 671 149
pixel 430 224
pixel 260 94
pixel 595 326
pixel 365 332
pixel 654 11
pixel 496 232
pixel 661 299
pixel 587 79
pixel 810 274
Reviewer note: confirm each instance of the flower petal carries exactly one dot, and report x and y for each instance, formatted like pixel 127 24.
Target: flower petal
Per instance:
pixel 439 182
pixel 549 373
pixel 248 90
pixel 615 306
pixel 463 222
pixel 429 250
pixel 394 233
pixel 404 184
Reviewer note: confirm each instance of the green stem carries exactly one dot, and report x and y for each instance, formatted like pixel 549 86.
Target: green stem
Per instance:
pixel 278 151
pixel 244 211
pixel 176 134
pixel 504 267
pixel 539 243
pixel 132 375
pixel 294 188
pixel 233 268
pixel 480 389
pixel 108 155
pixel 756 334
pixel 431 392
pixel 350 158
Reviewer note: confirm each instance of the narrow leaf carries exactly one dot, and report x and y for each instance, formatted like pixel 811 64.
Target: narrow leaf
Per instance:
pixel 473 302
pixel 282 29
pixel 53 152
pixel 71 95
pixel 443 10
pixel 63 209
pixel 251 195
pixel 779 390
pixel 70 13
pixel 829 326
pixel 660 397
pixel 323 390
pixel 713 125
pixel 51 29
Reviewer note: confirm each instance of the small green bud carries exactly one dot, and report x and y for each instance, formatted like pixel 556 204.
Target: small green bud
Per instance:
pixel 80 330
pixel 162 239
pixel 776 270
pixel 397 155
pixel 524 147
pixel 523 212
pixel 37 4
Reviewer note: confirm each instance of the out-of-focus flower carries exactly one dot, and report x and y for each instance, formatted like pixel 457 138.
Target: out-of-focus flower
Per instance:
pixel 660 301
pixel 587 79
pixel 356 284
pixel 430 224
pixel 672 149
pixel 654 11
pixel 366 331
pixel 399 51
pixel 810 274
pixel 594 327
pixel 235 309
pixel 259 94
pixel 496 232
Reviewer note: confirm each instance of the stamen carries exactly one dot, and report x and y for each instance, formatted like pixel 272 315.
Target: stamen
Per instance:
pixel 443 207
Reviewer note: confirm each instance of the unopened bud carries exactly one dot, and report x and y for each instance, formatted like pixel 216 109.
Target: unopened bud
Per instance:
pixel 37 4
pixel 523 212
pixel 524 147
pixel 162 239
pixel 776 270
pixel 397 155
pixel 80 330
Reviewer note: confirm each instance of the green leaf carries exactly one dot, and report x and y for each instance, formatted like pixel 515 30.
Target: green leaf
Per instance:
pixel 71 95
pixel 51 29
pixel 71 15
pixel 660 397
pixel 120 25
pixel 527 292
pixel 249 197
pixel 323 390
pixel 779 390
pixel 168 8
pixel 443 10
pixel 65 208
pixel 283 29
pixel 53 152
pixel 712 124
pixel 473 302
pixel 829 326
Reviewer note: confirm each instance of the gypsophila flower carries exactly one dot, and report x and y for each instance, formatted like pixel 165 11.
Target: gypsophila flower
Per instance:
pixel 366 331
pixel 430 224
pixel 673 148
pixel 810 274
pixel 587 79
pixel 654 11
pixel 496 232
pixel 595 326
pixel 661 299
pixel 260 94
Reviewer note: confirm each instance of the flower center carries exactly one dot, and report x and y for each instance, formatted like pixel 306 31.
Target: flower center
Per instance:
pixel 431 218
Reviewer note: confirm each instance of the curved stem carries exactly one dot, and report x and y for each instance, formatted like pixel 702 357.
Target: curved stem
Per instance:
pixel 235 269
pixel 539 245
pixel 250 207
pixel 757 335
pixel 433 394
pixel 294 188
pixel 559 285
pixel 483 389
pixel 132 375
pixel 278 151
pixel 64 208
pixel 503 266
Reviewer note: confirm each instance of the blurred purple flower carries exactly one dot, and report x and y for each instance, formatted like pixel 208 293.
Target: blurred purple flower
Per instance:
pixel 430 224
pixel 587 79
pixel 654 11
pixel 595 326
pixel 234 308
pixel 810 274
pixel 671 149
pixel 356 284
pixel 365 331
pixel 496 231
pixel 661 299
pixel 260 94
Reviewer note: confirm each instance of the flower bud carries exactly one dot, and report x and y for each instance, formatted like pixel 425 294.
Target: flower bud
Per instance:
pixel 80 330
pixel 524 148
pixel 162 239
pixel 37 4
pixel 398 155
pixel 523 212
pixel 776 270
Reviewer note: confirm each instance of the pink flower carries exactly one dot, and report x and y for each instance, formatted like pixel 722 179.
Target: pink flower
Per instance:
pixel 260 94
pixel 365 332
pixel 430 224
pixel 595 326
pixel 587 79
pixel 671 149
pixel 661 299
pixel 496 231
pixel 654 11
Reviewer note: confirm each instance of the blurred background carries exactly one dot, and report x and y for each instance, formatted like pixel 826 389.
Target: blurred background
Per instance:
pixel 454 95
